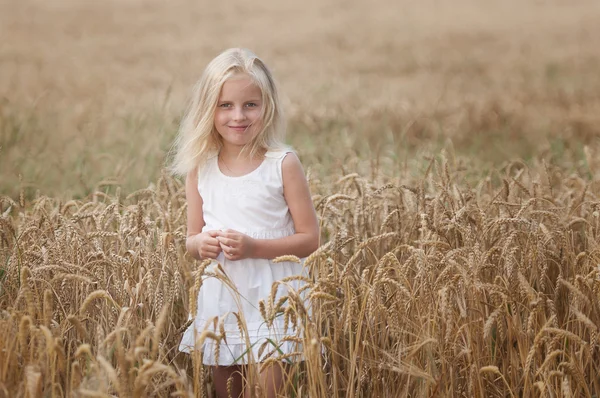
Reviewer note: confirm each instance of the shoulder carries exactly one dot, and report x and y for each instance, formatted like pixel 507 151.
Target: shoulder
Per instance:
pixel 284 157
pixel 291 168
pixel 285 164
pixel 290 161
pixel 200 175
pixel 278 153
pixel 191 175
pixel 206 166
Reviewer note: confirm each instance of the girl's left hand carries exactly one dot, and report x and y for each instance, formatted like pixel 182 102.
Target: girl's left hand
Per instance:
pixel 235 245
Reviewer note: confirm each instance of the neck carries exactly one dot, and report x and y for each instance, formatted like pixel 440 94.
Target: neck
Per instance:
pixel 233 164
pixel 230 152
pixel 233 152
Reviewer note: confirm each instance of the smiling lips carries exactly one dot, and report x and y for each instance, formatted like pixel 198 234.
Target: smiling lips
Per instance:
pixel 238 128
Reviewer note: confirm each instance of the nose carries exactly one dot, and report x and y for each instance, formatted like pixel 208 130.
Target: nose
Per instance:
pixel 238 114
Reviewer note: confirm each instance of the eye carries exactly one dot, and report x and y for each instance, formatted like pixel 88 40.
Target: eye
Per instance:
pixel 225 105
pixel 251 104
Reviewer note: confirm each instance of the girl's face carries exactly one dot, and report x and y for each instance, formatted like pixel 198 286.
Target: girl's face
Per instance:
pixel 238 113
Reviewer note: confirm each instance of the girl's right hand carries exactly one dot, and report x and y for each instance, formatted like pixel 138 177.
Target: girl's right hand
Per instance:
pixel 207 244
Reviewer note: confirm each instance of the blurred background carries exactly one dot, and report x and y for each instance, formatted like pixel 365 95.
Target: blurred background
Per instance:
pixel 91 93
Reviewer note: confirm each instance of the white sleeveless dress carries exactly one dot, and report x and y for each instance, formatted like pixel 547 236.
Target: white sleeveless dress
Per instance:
pixel 254 205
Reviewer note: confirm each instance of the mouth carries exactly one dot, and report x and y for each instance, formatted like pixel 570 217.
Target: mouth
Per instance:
pixel 238 128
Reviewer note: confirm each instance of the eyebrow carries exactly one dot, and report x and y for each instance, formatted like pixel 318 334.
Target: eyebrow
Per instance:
pixel 250 100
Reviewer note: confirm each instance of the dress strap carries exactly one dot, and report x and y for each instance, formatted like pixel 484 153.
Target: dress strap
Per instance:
pixel 279 153
pixel 276 159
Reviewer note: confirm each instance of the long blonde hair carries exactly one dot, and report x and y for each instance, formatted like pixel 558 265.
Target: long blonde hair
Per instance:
pixel 198 139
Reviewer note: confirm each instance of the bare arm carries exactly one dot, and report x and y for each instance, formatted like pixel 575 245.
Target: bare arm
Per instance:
pixel 306 239
pixel 199 245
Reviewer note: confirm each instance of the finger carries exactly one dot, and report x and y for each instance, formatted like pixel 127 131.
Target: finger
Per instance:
pixel 231 257
pixel 213 243
pixel 221 234
pixel 226 241
pixel 223 245
pixel 210 248
pixel 213 249
pixel 228 250
pixel 210 243
pixel 213 233
pixel 209 254
pixel 230 233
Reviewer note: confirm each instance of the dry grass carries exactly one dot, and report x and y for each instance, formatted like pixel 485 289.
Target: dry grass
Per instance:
pixel 448 266
pixel 423 287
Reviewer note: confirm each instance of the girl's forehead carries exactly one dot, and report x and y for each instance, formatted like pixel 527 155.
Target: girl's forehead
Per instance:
pixel 240 84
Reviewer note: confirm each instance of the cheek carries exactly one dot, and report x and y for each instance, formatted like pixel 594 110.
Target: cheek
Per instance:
pixel 256 117
pixel 220 118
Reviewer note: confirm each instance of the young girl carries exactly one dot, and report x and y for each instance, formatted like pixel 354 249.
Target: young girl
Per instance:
pixel 248 203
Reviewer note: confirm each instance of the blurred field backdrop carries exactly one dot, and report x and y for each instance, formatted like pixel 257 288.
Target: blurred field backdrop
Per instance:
pixel 453 154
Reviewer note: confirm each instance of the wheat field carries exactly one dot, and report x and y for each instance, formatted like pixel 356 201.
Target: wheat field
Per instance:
pixel 452 153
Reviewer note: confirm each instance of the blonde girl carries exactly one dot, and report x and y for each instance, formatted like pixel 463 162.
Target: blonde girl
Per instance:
pixel 248 203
